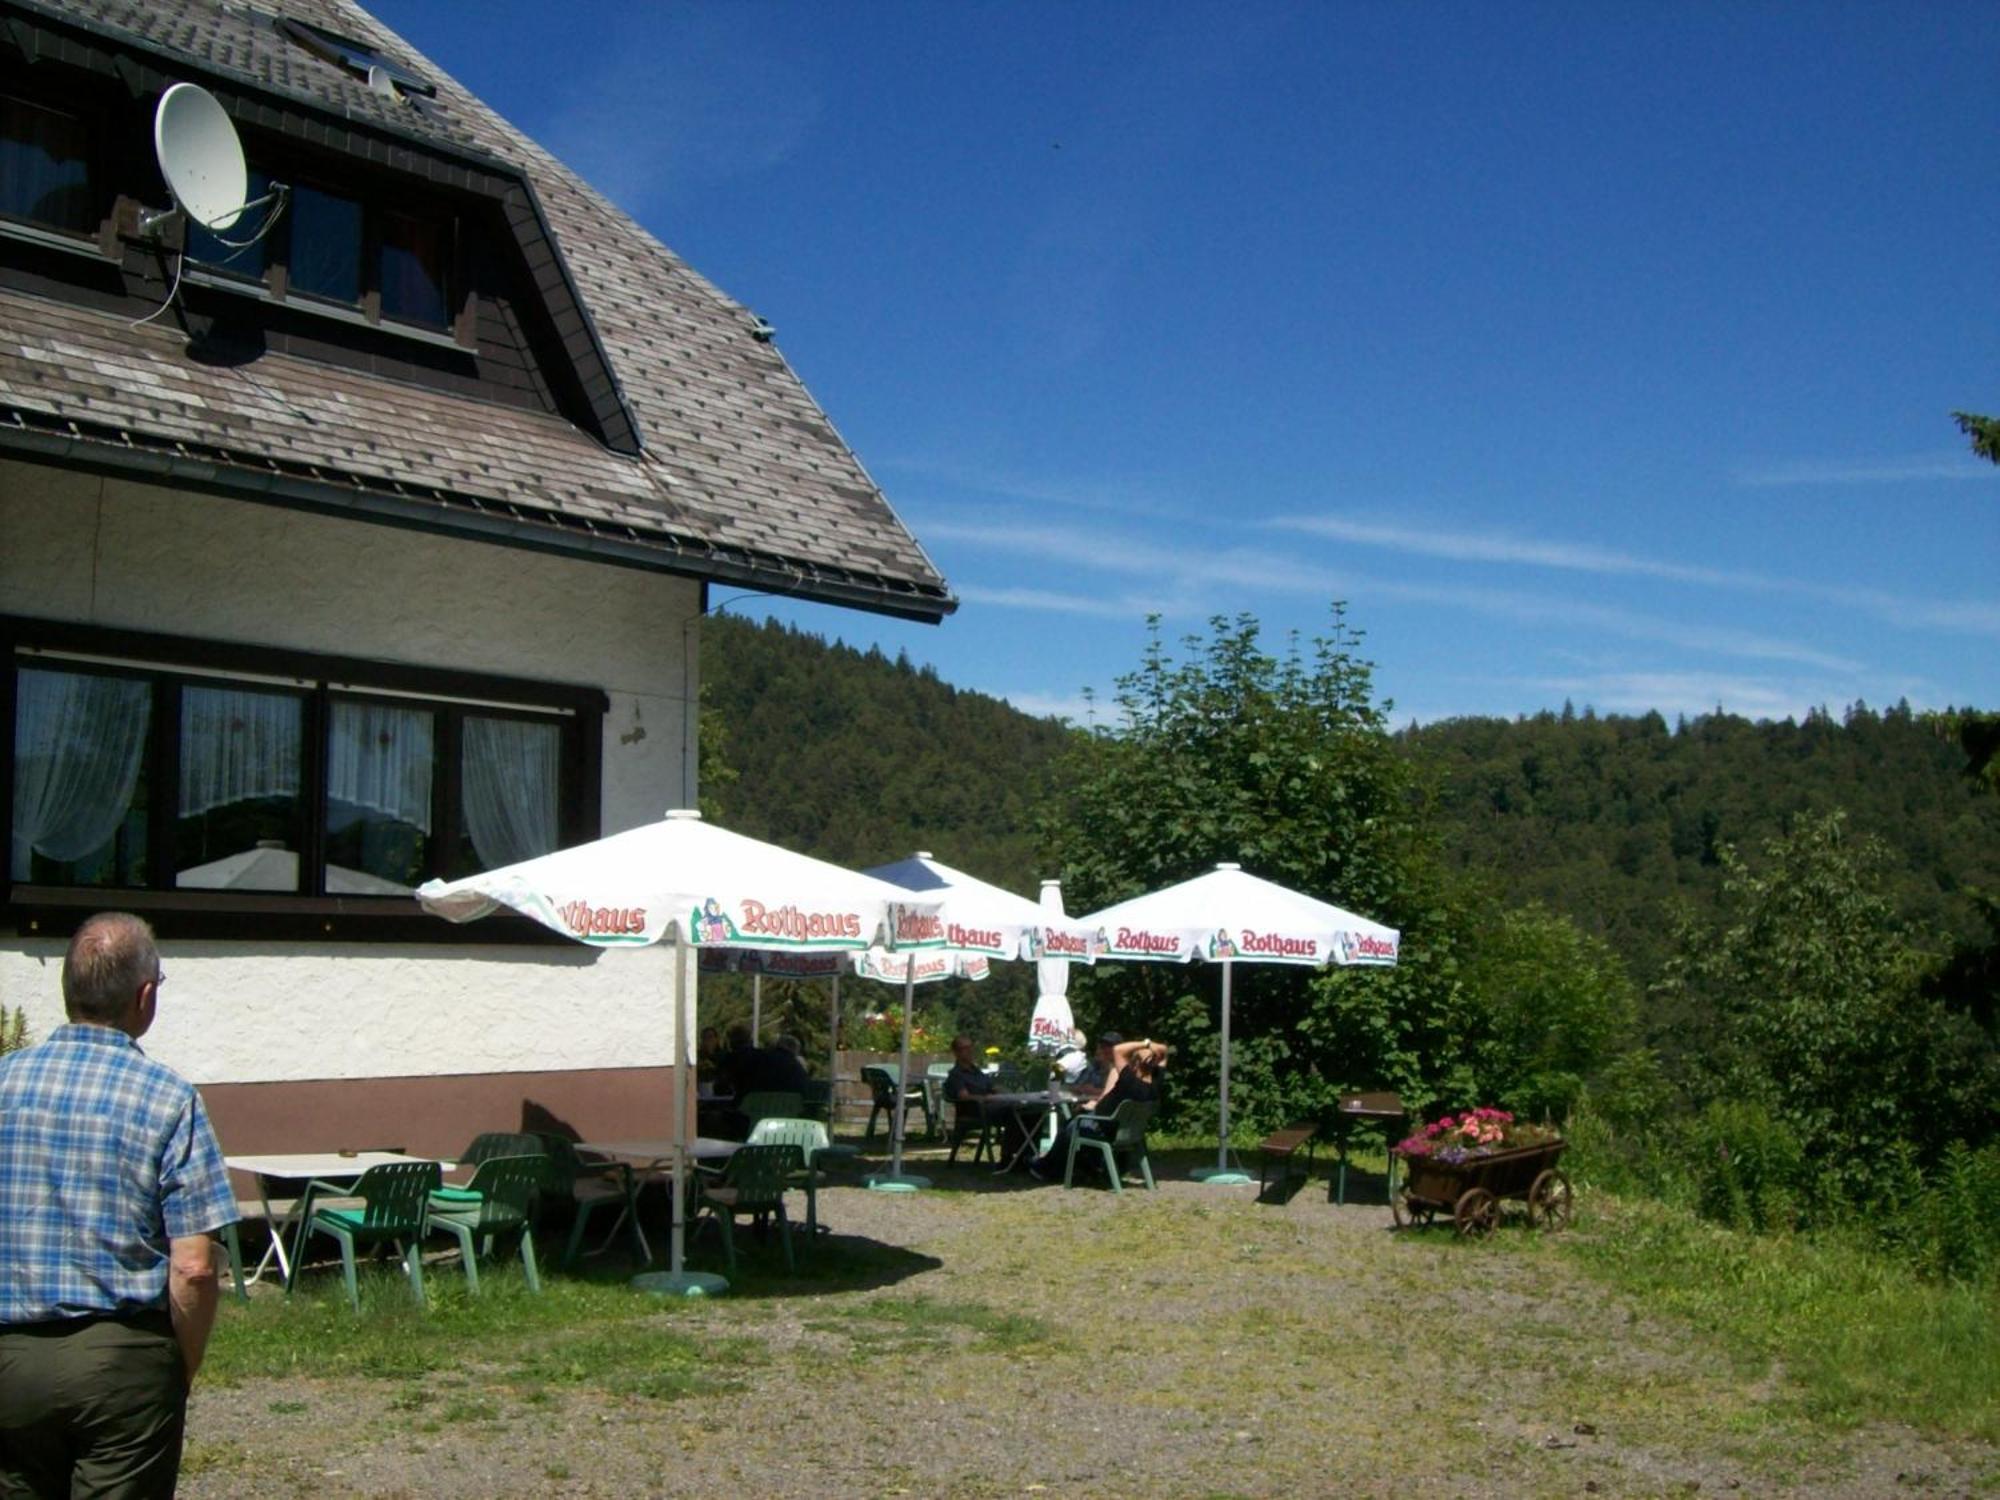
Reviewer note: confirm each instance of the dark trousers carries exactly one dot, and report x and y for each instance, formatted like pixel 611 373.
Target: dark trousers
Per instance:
pixel 91 1407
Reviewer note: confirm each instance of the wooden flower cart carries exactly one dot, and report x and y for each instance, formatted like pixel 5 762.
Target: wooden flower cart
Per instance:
pixel 1472 1190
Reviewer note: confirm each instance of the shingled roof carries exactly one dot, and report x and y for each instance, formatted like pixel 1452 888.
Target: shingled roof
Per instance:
pixel 737 475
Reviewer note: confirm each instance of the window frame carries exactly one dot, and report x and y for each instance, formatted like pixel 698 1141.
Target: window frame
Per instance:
pixel 86 113
pixel 376 202
pixel 170 663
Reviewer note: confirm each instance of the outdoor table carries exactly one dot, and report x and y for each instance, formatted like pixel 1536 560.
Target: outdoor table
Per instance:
pixel 1383 1108
pixel 343 1167
pixel 656 1154
pixel 1030 1112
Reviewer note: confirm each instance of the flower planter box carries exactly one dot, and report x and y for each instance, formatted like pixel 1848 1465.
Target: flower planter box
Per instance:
pixel 1472 1189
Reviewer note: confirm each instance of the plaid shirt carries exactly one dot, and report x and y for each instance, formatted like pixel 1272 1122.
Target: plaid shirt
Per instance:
pixel 105 1156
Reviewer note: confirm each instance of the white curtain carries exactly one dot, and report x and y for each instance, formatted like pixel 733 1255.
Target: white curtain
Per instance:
pixel 79 744
pixel 235 746
pixel 509 784
pixel 380 758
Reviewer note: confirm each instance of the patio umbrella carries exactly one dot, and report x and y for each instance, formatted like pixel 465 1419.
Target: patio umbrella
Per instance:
pixel 690 883
pixel 1233 917
pixel 974 919
pixel 1052 1027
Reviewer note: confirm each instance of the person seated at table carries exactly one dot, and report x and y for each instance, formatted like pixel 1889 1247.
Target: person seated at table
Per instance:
pixel 1138 1072
pixel 1097 1076
pixel 966 1087
pixel 783 1070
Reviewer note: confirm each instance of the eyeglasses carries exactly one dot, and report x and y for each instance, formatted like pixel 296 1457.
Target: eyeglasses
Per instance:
pixel 159 979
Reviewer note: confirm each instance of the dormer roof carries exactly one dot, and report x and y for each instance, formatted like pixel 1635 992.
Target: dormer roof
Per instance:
pixel 686 443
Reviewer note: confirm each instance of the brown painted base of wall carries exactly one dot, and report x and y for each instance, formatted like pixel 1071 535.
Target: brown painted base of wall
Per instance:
pixel 438 1116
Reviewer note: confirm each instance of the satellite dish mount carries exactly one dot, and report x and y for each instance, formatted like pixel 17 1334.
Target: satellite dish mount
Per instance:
pixel 202 161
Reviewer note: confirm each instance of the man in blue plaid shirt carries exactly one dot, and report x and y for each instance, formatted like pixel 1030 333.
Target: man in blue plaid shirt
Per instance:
pixel 111 1183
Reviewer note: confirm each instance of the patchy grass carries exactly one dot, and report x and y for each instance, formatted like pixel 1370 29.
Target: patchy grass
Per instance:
pixel 1854 1335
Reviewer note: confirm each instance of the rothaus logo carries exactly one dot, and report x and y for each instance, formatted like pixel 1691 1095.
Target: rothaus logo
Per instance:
pixel 971 937
pixel 800 926
pixel 1064 944
pixel 586 920
pixel 1276 945
pixel 1138 940
pixel 1360 947
pixel 918 926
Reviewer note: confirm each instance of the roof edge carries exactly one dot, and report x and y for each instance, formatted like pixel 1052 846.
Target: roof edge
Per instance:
pixel 68 443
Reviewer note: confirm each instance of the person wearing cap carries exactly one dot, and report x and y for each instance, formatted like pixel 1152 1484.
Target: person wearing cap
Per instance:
pixel 111 1184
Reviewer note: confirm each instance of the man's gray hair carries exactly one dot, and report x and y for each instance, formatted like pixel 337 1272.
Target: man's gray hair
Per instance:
pixel 109 957
pixel 789 1043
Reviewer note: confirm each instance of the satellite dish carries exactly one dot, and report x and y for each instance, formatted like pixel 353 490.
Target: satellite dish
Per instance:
pixel 200 156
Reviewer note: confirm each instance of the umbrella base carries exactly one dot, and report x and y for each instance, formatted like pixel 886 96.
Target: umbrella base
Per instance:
pixel 680 1283
pixel 892 1182
pixel 1220 1176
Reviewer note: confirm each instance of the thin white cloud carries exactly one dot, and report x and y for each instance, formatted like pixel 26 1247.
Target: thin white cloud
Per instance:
pixel 1685 693
pixel 1945 464
pixel 1966 616
pixel 1052 601
pixel 1073 708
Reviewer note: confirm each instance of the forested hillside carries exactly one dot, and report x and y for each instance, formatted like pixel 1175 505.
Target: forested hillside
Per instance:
pixel 862 760
pixel 1616 820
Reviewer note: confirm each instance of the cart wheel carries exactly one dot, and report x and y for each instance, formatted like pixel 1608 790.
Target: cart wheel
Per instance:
pixel 1476 1214
pixel 1550 1201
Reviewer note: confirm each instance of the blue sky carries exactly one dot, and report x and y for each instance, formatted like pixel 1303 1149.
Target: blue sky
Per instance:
pixel 1589 353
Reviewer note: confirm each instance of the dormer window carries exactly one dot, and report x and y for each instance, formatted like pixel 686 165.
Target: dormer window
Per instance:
pixel 393 263
pixel 45 167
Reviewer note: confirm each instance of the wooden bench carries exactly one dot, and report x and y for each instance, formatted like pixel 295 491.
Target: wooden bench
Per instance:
pixel 1281 1149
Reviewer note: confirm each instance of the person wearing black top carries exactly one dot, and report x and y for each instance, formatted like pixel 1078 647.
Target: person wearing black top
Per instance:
pixel 1137 1070
pixel 967 1085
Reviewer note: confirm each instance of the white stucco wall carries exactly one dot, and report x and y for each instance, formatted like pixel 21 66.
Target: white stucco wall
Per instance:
pixel 117 553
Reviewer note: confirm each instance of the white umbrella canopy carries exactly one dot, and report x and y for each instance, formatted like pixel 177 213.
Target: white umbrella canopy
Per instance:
pixel 1232 917
pixel 973 919
pixel 974 916
pixel 688 882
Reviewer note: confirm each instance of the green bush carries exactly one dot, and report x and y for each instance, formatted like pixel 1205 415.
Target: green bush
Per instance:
pixel 13 1030
pixel 1746 1166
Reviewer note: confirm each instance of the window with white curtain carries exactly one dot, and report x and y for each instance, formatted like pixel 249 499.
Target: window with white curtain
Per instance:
pixel 144 777
pixel 80 741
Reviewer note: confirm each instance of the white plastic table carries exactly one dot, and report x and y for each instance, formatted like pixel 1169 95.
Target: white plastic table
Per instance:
pixel 303 1167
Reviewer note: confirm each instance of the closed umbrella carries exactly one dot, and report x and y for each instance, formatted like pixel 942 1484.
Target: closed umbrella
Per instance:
pixel 1233 917
pixel 693 884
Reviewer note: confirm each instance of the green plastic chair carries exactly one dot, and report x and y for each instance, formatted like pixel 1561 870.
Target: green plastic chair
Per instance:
pixel 394 1202
pixel 969 1117
pixel 811 1139
pixel 1128 1134
pixel 500 1199
pixel 888 1095
pixel 587 1186
pixel 753 1182
pixel 491 1143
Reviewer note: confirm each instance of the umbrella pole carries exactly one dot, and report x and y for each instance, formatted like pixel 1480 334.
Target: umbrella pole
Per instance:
pixel 895 1181
pixel 676 1281
pixel 756 1007
pixel 832 1053
pixel 1224 1175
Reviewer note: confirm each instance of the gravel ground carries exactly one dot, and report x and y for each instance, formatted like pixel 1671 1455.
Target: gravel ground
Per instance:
pixel 1017 1339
